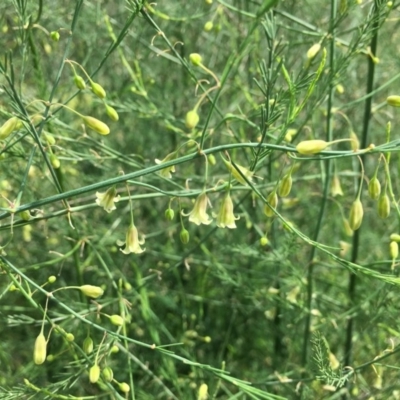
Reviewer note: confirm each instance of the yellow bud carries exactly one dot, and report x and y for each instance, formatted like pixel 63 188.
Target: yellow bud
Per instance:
pixel 79 82
pixel 394 250
pixel 395 237
pixel 70 337
pixel 98 90
pixel 116 320
pixel 54 161
pixel 55 36
pixel 114 349
pixel 49 138
pixel 203 392
pixel 374 188
pixel 356 215
pixel 192 119
pixel 108 374
pixel 393 101
pixel 88 345
pixel 264 241
pixel 97 125
pixel 346 227
pixel 340 88
pixel 184 236
pixel 9 127
pixel 208 26
pixel 272 200
pixel 91 291
pixel 383 205
pixel 94 373
pixel 195 59
pixel 313 50
pixel 355 143
pixel 285 185
pixel 124 387
pixel 51 279
pixel 40 349
pixel 211 159
pixel 112 113
pixel 310 147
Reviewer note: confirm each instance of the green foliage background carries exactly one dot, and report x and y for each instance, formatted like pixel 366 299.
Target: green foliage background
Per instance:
pixel 253 318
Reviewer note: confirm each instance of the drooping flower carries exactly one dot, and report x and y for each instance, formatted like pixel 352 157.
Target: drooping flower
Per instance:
pixel 225 217
pixel 132 242
pixel 166 172
pixel 238 175
pixel 107 199
pixel 199 213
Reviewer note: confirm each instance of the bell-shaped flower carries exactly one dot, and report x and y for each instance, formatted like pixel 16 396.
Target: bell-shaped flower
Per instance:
pixel 166 172
pixel 225 217
pixel 199 213
pixel 107 199
pixel 132 242
pixel 239 175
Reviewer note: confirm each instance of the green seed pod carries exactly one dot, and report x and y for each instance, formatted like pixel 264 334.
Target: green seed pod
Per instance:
pixel 54 161
pixel 310 147
pixel 356 215
pixel 394 250
pixel 313 50
pixel 184 236
pixel 25 215
pixel 395 237
pixel 208 26
pixel 98 90
pixel 70 337
pixel 55 36
pixel 91 291
pixel 112 113
pixel 40 349
pixel 195 59
pixel 9 127
pixel 79 82
pixel 169 214
pixel 94 373
pixel 108 374
pixel 97 125
pixel 88 345
pixel 285 185
pixel 116 320
pixel 374 188
pixel 383 206
pixel 393 101
pixel 192 119
pixel 272 200
pixel 124 387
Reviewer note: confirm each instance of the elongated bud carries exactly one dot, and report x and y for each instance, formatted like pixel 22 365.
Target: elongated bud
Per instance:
pixel 124 387
pixel 94 373
pixel 40 349
pixel 116 320
pixel 394 250
pixel 374 188
pixel 54 161
pixel 395 237
pixel 49 138
pixel 169 214
pixel 97 125
pixel 203 392
pixel 346 227
pixel 112 113
pixel 9 127
pixel 355 143
pixel 79 82
pixel 108 374
pixel 88 345
pixel 393 101
pixel 313 50
pixel 356 215
pixel 195 59
pixel 272 200
pixel 192 119
pixel 211 159
pixel 285 185
pixel 98 90
pixel 336 188
pixel 310 147
pixel 383 206
pixel 91 291
pixel 184 236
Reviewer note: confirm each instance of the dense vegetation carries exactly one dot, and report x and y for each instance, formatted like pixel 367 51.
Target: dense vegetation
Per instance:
pixel 199 199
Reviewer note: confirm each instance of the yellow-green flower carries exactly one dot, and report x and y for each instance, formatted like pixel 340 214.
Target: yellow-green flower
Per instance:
pixel 225 217
pixel 107 199
pixel 166 172
pixel 132 242
pixel 238 175
pixel 199 213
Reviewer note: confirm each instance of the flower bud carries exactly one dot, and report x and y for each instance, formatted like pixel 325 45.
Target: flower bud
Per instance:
pixel 393 101
pixel 395 237
pixel 124 387
pixel 25 215
pixel 355 143
pixel 211 159
pixel 40 349
pixel 285 185
pixel 94 373
pixel 108 374
pixel 114 349
pixel 203 392
pixel 49 138
pixel 184 236
pixel 394 250
pixel 208 26
pixel 50 358
pixel 55 36
pixel 97 125
pixel 169 214
pixel 91 291
pixel 79 82
pixel 336 188
pixel 98 90
pixel 112 113
pixel 310 147
pixel 313 50
pixel 88 345
pixel 116 320
pixel 272 200
pixel 374 188
pixel 356 215
pixel 54 161
pixel 70 337
pixel 195 59
pixel 192 119
pixel 9 127
pixel 51 279
pixel 383 206
pixel 264 241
